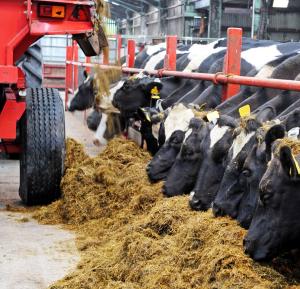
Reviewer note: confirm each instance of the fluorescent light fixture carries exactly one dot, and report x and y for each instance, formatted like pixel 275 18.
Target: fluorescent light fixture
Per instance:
pixel 280 3
pixel 114 3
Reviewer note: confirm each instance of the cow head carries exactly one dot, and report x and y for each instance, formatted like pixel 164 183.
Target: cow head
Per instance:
pixel 111 124
pixel 231 189
pixel 135 93
pixel 292 120
pixel 275 226
pixel 254 167
pixel 215 148
pixel 176 123
pixel 84 96
pixel 93 120
pixel 181 177
pixel 164 159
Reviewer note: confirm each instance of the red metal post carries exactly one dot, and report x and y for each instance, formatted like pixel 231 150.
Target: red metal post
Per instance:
pixel 170 59
pixel 130 53
pixel 119 47
pixel 88 69
pixel 232 62
pixel 69 55
pixel 75 68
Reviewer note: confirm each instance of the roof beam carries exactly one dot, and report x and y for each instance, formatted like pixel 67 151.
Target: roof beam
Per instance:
pixel 125 5
pixel 118 13
pixel 150 2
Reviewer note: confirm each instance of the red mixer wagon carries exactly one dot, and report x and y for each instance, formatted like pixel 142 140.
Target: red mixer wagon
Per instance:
pixel 32 118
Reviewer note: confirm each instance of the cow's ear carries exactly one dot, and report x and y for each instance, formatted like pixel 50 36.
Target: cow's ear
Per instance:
pixel 290 165
pixel 275 132
pixel 144 114
pixel 85 74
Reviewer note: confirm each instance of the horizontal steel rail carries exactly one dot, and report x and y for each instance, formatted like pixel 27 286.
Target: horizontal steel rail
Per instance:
pixel 218 78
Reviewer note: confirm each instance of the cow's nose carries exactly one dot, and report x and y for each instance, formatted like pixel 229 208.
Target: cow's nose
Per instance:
pixel 195 204
pixel 247 245
pixel 217 210
pixel 148 167
pixel 165 191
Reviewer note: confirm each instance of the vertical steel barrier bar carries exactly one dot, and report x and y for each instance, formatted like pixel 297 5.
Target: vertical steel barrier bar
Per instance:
pixel 88 69
pixel 68 81
pixel 130 53
pixel 171 57
pixel 119 47
pixel 75 67
pixel 232 61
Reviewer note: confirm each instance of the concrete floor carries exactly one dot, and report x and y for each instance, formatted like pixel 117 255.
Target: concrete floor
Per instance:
pixel 33 256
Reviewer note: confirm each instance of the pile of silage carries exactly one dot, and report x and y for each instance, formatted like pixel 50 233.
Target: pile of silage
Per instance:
pixel 131 237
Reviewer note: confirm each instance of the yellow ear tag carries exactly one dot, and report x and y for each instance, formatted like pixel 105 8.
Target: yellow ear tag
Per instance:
pixel 245 110
pixel 213 116
pixel 155 93
pixel 297 165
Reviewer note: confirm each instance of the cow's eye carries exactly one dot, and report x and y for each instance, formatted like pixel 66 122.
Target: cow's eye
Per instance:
pixel 247 173
pixel 175 140
pixel 265 198
pixel 189 151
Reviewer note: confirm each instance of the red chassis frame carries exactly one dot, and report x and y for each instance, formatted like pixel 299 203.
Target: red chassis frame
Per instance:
pixel 20 27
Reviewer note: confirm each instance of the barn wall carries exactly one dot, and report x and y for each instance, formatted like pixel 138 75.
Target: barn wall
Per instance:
pixel 176 18
pixel 153 21
pixel 282 26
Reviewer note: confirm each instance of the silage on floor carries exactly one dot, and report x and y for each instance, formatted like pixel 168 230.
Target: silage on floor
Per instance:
pixel 130 236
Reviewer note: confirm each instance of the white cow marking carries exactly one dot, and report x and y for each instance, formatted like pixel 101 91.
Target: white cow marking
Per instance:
pixel 155 130
pixel 294 133
pixel 187 134
pixel 197 56
pixel 217 133
pixel 240 141
pixel 155 59
pixel 116 88
pixel 178 119
pixel 155 48
pixel 99 135
pixel 71 98
pixel 192 194
pixel 88 78
pixel 265 72
pixel 259 56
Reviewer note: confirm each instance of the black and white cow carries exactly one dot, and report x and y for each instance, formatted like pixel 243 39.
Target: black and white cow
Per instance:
pixel 275 226
pixel 238 145
pixel 288 69
pixel 181 176
pixel 246 190
pixel 173 129
pixel 84 96
pixel 131 94
pixel 236 196
pixel 215 149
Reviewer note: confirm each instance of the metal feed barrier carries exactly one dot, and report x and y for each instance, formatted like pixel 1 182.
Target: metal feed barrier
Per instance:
pixel 230 76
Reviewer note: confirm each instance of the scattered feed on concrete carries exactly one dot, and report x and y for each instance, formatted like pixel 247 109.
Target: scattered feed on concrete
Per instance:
pixel 130 236
pixel 23 220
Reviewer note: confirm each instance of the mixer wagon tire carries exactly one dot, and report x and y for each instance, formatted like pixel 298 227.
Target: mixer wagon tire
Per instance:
pixel 31 63
pixel 43 146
